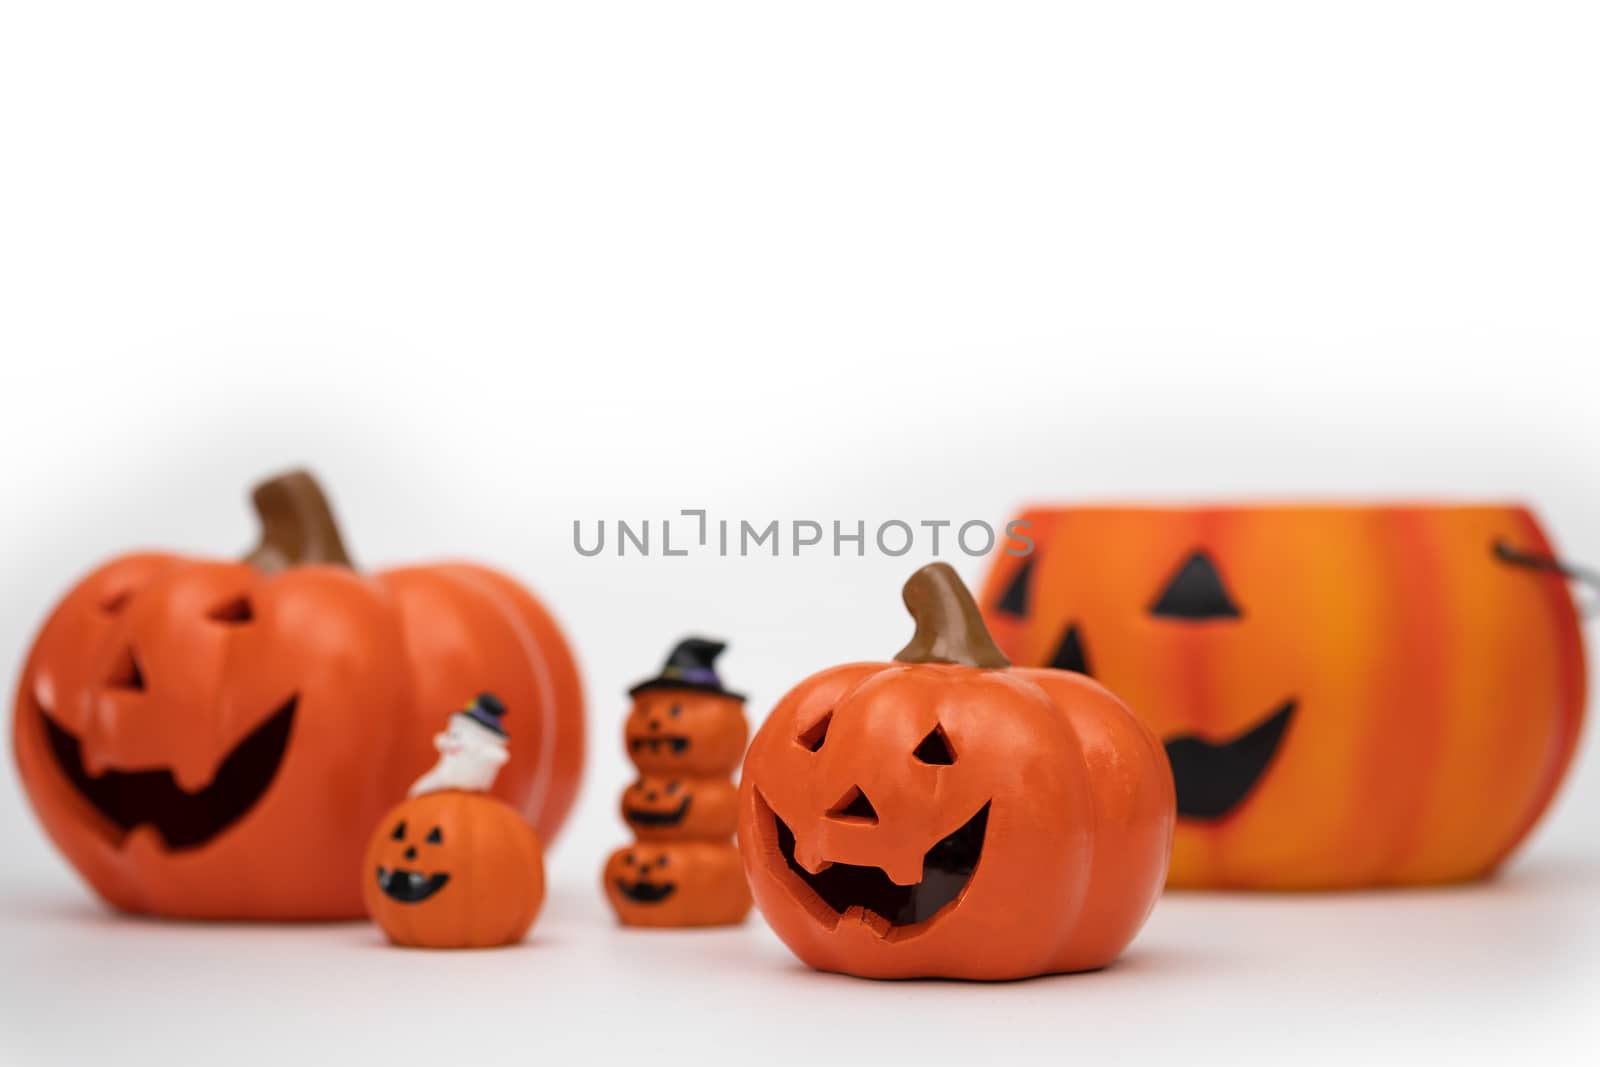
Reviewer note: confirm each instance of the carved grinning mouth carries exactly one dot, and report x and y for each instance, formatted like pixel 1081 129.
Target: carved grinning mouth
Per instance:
pixel 184 820
pixel 676 742
pixel 1213 779
pixel 646 892
pixel 659 818
pixel 409 887
pixel 868 892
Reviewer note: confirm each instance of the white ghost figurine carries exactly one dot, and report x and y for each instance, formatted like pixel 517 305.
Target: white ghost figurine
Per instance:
pixel 472 749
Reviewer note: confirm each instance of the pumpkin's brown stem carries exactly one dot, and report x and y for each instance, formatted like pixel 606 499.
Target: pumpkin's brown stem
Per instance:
pixel 949 628
pixel 297 525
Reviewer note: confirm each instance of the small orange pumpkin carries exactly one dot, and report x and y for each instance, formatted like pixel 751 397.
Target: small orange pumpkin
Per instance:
pixel 674 807
pixel 453 869
pixel 683 883
pixel 1350 696
pixel 946 815
pixel 215 739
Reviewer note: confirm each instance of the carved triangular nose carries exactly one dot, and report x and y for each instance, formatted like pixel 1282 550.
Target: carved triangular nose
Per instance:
pixel 854 806
pixel 124 672
pixel 1070 653
pixel 1195 593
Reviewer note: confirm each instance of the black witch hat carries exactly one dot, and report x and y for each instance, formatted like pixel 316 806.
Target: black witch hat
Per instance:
pixel 690 666
pixel 486 710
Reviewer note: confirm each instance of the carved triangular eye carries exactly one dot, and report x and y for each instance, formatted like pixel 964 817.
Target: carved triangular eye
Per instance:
pixel 234 612
pixel 935 749
pixel 1014 601
pixel 399 831
pixel 114 603
pixel 1195 593
pixel 817 733
pixel 435 837
pixel 1070 654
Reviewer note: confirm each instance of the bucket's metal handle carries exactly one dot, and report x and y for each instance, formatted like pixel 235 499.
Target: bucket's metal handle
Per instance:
pixel 1586 578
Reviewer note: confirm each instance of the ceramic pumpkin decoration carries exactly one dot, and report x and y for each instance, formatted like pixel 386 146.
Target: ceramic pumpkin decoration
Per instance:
pixel 677 883
pixel 686 733
pixel 1350 696
pixel 682 720
pixel 215 739
pixel 670 807
pixel 949 815
pixel 453 867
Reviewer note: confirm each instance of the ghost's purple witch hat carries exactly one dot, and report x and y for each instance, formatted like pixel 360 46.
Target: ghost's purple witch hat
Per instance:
pixel 691 665
pixel 486 710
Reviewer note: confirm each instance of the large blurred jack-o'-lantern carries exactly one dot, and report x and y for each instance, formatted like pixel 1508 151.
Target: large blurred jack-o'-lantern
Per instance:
pixel 215 739
pixel 1349 696
pixel 948 815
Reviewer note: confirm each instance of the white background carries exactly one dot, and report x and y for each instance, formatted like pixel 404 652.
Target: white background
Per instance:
pixel 491 268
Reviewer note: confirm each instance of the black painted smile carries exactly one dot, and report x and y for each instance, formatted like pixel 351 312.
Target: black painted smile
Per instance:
pixel 845 887
pixel 646 892
pixel 184 820
pixel 409 887
pixel 659 818
pixel 676 742
pixel 1214 778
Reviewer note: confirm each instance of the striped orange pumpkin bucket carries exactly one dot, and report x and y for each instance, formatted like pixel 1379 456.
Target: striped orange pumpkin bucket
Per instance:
pixel 1350 696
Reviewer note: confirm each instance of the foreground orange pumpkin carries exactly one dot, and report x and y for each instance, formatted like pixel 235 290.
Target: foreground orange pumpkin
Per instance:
pixel 1350 696
pixel 453 869
pixel 205 738
pixel 947 815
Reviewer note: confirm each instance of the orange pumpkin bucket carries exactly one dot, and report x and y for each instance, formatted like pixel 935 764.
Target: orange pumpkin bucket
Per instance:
pixel 1349 696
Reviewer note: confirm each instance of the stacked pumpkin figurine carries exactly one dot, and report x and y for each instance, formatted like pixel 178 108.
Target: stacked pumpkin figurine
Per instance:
pixel 686 734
